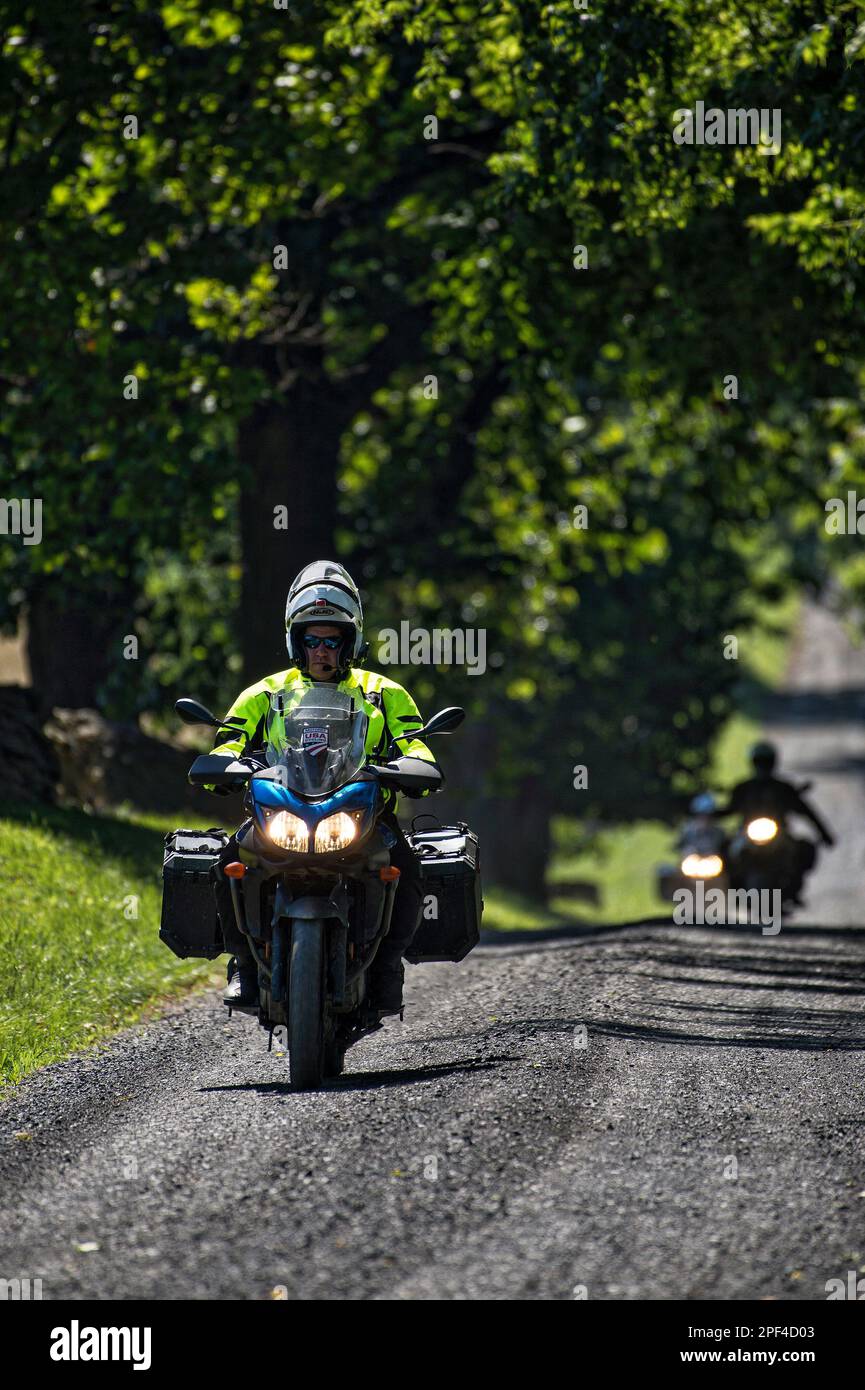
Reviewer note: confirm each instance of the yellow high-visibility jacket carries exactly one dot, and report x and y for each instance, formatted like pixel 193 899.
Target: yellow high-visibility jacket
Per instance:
pixel 390 709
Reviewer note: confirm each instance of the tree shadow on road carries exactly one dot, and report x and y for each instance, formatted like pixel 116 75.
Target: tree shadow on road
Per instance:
pixel 771 1040
pixel 770 962
pixel 571 935
pixel 813 706
pixel 774 970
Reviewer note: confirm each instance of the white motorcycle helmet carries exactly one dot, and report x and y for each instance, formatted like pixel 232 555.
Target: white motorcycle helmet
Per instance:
pixel 324 592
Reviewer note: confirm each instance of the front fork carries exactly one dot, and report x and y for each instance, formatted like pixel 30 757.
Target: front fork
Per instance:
pixel 336 947
pixel 280 948
pixel 340 977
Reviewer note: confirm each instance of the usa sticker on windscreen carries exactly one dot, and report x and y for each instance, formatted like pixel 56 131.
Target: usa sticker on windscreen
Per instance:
pixel 313 739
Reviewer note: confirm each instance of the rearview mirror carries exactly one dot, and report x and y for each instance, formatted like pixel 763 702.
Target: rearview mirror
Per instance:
pixel 194 712
pixel 442 723
pixel 445 721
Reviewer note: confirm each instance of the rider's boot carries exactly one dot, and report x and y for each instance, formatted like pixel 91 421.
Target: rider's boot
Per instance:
pixel 386 980
pixel 242 989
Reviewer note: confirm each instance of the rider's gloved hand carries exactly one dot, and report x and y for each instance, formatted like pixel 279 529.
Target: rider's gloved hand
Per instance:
pixel 403 773
pixel 386 772
pixel 216 789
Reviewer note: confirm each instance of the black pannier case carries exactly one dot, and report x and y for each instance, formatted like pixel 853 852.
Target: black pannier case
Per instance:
pixel 450 874
pixel 190 924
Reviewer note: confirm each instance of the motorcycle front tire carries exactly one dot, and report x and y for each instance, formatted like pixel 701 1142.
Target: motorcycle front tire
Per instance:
pixel 306 1051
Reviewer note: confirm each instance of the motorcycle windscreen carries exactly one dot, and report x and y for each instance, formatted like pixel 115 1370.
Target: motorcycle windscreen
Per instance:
pixel 323 743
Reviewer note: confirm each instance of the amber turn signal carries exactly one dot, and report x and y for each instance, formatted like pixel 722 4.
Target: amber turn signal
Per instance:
pixel 389 874
pixel 235 870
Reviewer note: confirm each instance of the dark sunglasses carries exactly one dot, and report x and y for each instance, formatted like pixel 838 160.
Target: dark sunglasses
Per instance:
pixel 330 642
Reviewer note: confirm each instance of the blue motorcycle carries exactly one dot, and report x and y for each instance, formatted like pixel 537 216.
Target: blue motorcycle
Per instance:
pixel 312 886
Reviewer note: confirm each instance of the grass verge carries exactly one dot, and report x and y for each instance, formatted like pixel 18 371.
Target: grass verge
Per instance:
pixel 80 954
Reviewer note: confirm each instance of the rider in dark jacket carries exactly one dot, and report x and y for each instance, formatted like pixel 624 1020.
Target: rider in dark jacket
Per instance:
pixel 766 795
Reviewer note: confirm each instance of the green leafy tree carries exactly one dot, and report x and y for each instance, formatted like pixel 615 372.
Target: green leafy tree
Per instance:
pixel 415 281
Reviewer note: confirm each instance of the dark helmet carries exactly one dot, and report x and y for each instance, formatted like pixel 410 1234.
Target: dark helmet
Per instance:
pixel 764 757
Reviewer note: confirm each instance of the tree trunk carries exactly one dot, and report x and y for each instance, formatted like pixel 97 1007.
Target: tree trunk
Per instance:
pixel 514 832
pixel 518 837
pixel 289 457
pixel 72 643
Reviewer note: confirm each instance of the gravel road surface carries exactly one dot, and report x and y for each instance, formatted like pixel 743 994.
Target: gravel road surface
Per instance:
pixel 645 1112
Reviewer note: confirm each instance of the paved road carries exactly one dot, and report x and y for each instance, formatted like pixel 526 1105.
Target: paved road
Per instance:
pixel 705 1142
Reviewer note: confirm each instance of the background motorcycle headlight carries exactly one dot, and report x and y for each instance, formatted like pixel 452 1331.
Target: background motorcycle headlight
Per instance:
pixel 702 865
pixel 761 830
pixel 289 832
pixel 335 832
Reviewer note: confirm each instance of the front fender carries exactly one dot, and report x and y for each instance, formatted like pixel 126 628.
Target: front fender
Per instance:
pixel 310 908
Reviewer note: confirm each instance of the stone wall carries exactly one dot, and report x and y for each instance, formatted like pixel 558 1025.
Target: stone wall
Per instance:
pixel 76 757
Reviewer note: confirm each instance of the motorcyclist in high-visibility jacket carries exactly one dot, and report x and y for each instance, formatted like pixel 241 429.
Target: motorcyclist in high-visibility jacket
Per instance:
pixel 324 636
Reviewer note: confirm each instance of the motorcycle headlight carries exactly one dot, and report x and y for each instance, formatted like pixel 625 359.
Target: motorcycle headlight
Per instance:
pixel 289 832
pixel 702 865
pixel 335 832
pixel 761 830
